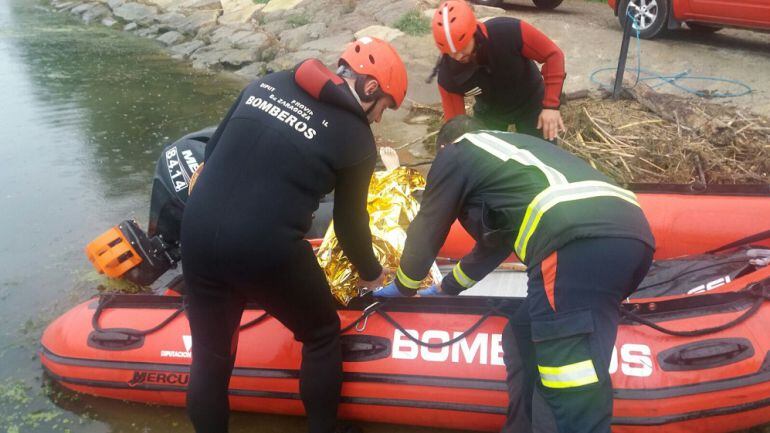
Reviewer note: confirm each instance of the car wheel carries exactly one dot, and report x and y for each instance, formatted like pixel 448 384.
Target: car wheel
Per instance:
pixel 650 14
pixel 546 4
pixel 703 28
pixel 493 3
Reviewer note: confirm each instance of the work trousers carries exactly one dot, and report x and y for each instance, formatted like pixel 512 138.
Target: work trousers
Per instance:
pixel 561 338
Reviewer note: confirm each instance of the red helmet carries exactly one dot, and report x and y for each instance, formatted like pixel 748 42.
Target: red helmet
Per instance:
pixel 454 25
pixel 378 59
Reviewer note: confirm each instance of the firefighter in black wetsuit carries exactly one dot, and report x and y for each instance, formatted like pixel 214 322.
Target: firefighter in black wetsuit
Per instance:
pixel 494 62
pixel 290 138
pixel 586 244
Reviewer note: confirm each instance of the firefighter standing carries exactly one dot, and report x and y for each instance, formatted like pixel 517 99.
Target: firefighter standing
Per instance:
pixel 586 244
pixel 290 138
pixel 494 62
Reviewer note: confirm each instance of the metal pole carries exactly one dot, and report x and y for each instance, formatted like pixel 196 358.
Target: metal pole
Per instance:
pixel 622 59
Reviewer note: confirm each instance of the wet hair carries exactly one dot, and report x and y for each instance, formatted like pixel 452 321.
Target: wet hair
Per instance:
pixel 455 128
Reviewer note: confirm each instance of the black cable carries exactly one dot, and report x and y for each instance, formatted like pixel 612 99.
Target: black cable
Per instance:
pixel 132 332
pixel 760 297
pixel 454 340
pixel 248 325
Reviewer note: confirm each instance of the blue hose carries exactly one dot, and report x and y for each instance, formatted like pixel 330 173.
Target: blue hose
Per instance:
pixel 674 79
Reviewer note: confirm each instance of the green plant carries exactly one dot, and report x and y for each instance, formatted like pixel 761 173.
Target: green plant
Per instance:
pixel 298 20
pixel 261 2
pixel 413 23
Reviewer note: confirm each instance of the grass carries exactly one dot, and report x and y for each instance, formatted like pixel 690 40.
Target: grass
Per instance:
pixel 261 2
pixel 298 20
pixel 413 23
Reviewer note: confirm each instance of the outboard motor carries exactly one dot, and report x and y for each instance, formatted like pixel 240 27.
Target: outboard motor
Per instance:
pixel 125 251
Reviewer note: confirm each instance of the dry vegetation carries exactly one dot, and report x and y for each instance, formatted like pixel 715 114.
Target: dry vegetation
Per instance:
pixel 649 137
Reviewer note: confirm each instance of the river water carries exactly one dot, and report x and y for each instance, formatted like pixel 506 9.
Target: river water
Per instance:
pixel 85 111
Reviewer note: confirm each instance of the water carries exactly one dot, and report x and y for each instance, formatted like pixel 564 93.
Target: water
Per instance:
pixel 84 112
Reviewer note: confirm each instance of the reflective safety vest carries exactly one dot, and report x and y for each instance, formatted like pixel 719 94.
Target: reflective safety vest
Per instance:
pixel 560 190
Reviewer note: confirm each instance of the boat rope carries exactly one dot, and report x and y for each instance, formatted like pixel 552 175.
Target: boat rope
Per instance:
pixel 760 293
pixel 761 236
pixel 450 342
pixel 107 300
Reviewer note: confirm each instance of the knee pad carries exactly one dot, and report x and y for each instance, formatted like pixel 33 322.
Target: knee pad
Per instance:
pixel 563 351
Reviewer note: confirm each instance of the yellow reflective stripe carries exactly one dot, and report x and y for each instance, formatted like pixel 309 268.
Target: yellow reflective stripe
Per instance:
pixel 463 279
pixel 568 376
pixel 406 281
pixel 554 195
pixel 505 151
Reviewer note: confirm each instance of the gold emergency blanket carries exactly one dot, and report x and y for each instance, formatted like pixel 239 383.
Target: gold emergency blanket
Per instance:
pixel 392 206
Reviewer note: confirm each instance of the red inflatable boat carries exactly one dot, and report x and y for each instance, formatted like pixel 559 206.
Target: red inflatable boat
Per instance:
pixel 706 369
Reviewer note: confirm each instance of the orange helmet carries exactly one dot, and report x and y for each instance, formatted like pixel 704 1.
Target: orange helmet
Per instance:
pixel 454 25
pixel 378 59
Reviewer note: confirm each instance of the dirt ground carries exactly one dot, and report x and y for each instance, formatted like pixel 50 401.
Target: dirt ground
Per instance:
pixel 590 36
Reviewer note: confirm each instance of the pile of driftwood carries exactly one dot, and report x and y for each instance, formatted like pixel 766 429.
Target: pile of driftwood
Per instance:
pixel 659 138
pixel 651 137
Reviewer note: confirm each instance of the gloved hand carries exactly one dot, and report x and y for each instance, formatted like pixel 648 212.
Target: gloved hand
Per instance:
pixel 432 290
pixel 389 291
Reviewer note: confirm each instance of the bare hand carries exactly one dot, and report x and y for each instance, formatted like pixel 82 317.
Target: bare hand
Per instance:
pixel 551 123
pixel 380 281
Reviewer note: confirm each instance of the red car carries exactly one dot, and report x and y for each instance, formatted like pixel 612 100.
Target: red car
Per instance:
pixel 656 16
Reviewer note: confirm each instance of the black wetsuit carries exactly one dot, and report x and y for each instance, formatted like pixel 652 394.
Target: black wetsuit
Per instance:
pixel 504 80
pixel 290 138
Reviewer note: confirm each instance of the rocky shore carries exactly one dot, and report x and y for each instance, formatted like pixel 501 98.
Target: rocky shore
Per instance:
pixel 250 37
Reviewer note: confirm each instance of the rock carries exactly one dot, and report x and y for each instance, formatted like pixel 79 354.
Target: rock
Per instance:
pixel 487 11
pixel 200 4
pixel 271 52
pixel 335 43
pixel 353 22
pixel 395 11
pixel 222 33
pixel 209 55
pixel 136 12
pixel 253 70
pixel 170 38
pixel 275 26
pixel 197 20
pixel 240 12
pixel 65 5
pixel 114 4
pixel 381 32
pixel 240 35
pixel 290 60
pixel 96 13
pixel 109 22
pixel 148 32
pixel 294 38
pixel 386 15
pixel 163 4
pixel 256 41
pixel 185 49
pixel 280 5
pixel 82 8
pixel 171 21
pixel 130 26
pixel 238 58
